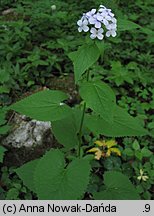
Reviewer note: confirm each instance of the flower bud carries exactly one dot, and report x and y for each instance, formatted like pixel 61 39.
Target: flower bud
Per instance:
pixel 53 7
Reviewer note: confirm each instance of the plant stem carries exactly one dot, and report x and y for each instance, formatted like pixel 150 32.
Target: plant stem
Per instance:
pixel 81 124
pixel 80 130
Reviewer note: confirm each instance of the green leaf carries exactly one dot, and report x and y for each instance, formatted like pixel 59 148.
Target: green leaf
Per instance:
pixel 2 151
pixel 12 194
pixel 146 152
pixel 152 160
pixel 99 97
pixel 138 155
pixel 4 129
pixel 129 152
pixel 65 130
pixel 43 106
pixel 147 196
pixel 26 173
pixel 118 187
pixel 151 125
pixel 4 89
pixel 123 125
pixel 149 33
pixel 2 116
pixel 136 145
pixel 119 74
pixel 4 75
pixel 55 182
pixel 124 24
pixel 100 45
pixel 83 59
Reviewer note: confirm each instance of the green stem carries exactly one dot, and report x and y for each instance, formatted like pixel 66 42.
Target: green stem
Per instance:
pixel 80 130
pixel 81 124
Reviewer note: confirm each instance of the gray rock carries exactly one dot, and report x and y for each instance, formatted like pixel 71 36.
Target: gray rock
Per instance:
pixel 27 133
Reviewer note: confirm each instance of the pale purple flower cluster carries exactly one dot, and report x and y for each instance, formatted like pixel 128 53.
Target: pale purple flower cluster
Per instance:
pixel 99 23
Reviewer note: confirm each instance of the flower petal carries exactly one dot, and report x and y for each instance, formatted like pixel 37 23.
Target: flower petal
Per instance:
pixel 100 36
pixel 93 11
pixel 79 22
pixel 116 150
pixel 99 17
pixel 85 22
pixel 108 153
pixel 145 178
pixel 111 14
pixel 100 30
pixel 80 29
pixel 98 154
pixel 108 34
pixel 85 28
pixel 113 33
pixel 100 143
pixel 92 20
pixel 105 22
pixel 108 18
pixel 141 172
pixel 102 6
pixel 93 30
pixel 113 26
pixel 111 143
pixel 98 24
pixel 93 149
pixel 114 20
pixel 93 36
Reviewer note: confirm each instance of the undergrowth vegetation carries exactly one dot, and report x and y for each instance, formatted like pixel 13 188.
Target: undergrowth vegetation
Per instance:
pixel 105 135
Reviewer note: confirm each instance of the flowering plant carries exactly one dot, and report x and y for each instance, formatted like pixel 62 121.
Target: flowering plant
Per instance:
pixel 97 22
pixel 64 173
pixel 104 149
pixel 142 176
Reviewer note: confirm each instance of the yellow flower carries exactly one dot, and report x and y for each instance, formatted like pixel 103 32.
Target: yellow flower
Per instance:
pixel 105 149
pixel 142 176
pixel 97 151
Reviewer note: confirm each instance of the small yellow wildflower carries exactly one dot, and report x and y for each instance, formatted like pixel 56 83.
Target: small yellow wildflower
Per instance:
pixel 104 149
pixel 97 151
pixel 142 176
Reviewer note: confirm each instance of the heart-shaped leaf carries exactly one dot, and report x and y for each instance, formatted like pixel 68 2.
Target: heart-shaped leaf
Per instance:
pixel 50 179
pixel 44 106
pixel 53 181
pixel 99 97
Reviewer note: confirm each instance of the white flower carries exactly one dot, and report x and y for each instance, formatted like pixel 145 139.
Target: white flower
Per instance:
pixel 99 17
pixel 94 20
pixel 114 21
pixel 98 21
pixel 104 18
pixel 111 33
pixel 83 25
pixel 102 7
pixel 109 12
pixel 111 30
pixel 91 13
pixel 96 33
pixel 142 176
pixel 53 7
